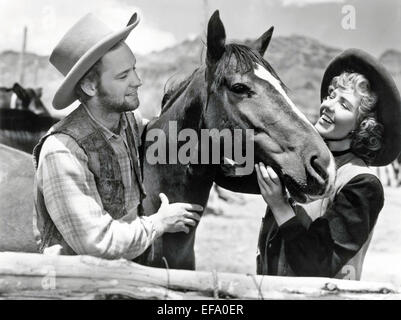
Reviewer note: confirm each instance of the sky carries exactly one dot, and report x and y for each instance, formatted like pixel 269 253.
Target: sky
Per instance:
pixel 374 26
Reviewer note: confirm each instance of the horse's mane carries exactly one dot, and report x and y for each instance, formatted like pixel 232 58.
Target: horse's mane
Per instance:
pixel 245 57
pixel 175 91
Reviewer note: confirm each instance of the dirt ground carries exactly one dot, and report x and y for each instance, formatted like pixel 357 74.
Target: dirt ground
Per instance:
pixel 227 243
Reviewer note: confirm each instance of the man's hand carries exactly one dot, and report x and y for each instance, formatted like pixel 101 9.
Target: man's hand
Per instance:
pixel 177 217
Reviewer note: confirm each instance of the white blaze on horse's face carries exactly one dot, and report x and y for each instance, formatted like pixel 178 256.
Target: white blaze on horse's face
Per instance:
pixel 264 74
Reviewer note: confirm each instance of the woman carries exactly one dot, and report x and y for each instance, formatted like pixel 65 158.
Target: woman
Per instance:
pixel 360 120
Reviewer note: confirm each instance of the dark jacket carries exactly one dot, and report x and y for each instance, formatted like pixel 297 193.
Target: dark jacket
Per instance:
pixel 330 245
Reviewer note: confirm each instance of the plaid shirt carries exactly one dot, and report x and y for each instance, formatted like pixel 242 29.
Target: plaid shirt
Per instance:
pixel 73 202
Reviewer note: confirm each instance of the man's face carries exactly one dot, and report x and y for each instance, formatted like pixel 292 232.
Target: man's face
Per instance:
pixel 117 89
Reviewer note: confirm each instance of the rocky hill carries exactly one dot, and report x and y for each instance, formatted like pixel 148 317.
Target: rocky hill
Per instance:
pixel 300 61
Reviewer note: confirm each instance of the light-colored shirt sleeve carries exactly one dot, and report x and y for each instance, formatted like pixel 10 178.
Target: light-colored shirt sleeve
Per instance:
pixel 75 206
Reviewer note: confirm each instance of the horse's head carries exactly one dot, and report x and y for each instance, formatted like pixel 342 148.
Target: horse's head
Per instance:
pixel 29 99
pixel 23 117
pixel 244 92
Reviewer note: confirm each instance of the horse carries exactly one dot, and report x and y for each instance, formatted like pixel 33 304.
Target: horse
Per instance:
pixel 21 98
pixel 236 88
pixel 23 117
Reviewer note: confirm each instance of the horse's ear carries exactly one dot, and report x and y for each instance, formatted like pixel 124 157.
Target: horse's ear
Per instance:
pixel 216 38
pixel 261 44
pixel 21 93
pixel 17 87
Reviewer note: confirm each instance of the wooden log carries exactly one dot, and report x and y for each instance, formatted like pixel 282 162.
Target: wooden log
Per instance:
pixel 35 276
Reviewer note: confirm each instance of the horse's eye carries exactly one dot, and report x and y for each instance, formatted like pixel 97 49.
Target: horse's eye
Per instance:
pixel 240 88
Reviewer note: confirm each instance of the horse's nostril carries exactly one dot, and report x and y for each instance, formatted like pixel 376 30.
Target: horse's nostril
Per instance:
pixel 315 165
pixel 318 176
pixel 318 167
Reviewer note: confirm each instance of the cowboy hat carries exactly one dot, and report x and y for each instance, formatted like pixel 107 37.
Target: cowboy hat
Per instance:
pixel 81 47
pixel 388 105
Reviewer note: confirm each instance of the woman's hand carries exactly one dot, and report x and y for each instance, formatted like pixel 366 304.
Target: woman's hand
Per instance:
pixel 270 186
pixel 272 192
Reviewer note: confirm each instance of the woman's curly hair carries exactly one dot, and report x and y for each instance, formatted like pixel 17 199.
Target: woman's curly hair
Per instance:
pixel 367 138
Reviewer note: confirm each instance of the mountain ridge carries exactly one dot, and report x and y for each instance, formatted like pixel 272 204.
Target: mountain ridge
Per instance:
pixel 300 62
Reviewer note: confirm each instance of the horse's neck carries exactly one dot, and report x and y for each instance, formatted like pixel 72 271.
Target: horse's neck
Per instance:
pixel 186 109
pixel 185 113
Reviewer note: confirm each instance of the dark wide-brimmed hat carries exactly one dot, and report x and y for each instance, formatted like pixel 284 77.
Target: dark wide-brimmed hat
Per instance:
pixel 81 47
pixel 388 105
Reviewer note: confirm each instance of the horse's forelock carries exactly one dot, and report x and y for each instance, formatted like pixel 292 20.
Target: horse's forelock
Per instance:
pixel 245 60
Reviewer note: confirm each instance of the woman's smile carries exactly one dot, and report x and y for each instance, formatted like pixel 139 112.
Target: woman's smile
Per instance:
pixel 326 119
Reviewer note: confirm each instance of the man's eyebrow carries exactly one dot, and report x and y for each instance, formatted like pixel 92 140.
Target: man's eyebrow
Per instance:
pixel 122 72
pixel 126 71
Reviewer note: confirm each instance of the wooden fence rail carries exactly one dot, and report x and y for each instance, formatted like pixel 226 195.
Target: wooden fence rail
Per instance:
pixel 35 276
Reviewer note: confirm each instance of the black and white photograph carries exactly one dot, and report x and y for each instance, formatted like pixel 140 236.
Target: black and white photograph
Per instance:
pixel 207 150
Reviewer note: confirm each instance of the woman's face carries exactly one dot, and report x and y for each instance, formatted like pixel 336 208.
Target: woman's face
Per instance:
pixel 338 114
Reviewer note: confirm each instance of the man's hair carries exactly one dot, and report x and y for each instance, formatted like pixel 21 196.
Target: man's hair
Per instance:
pixel 93 74
pixel 367 138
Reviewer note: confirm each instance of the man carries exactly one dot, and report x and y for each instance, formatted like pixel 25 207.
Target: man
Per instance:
pixel 88 181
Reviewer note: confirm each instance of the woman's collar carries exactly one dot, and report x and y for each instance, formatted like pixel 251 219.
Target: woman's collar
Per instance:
pixel 340 153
